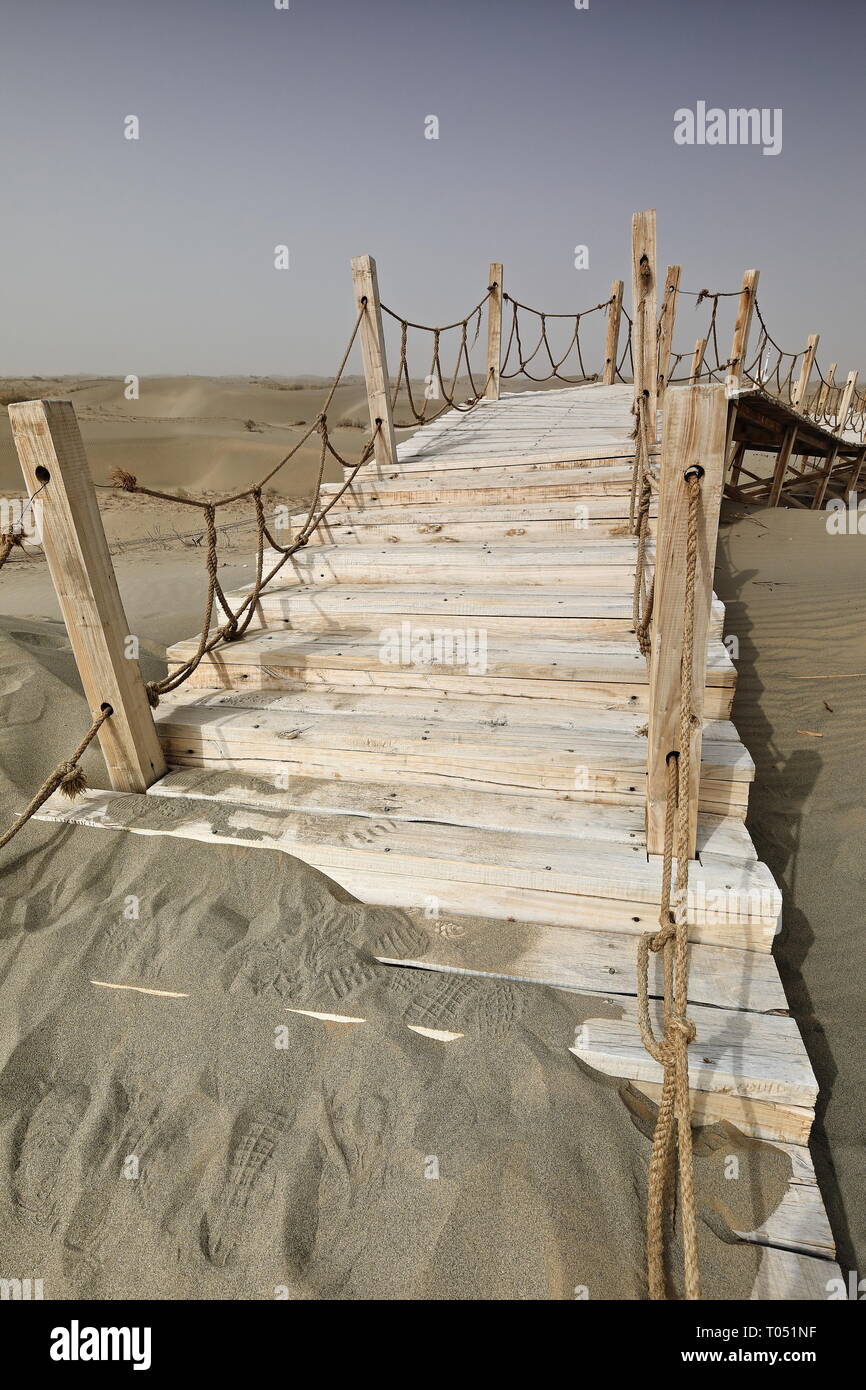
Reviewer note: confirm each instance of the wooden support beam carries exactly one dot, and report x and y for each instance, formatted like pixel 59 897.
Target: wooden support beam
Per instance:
pixel 824 392
pixel 611 347
pixel 694 435
pixel 783 458
pixel 643 282
pixel 667 319
pixel 737 463
pixel 818 499
pixel 366 287
pixel 54 464
pixel 697 360
pixel 494 331
pixel 800 392
pixel 845 403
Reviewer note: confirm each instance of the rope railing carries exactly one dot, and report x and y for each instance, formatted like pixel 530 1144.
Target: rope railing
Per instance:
pixel 436 386
pixel 68 776
pixel 514 346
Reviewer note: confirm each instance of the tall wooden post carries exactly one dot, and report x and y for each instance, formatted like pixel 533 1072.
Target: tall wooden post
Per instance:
pixel 826 388
pixel 845 403
pixel 643 283
pixel 800 391
pixel 693 436
pixel 53 462
pixel 745 307
pixel 697 360
pixel 611 346
pixel 494 332
pixel 736 361
pixel 366 285
pixel 821 489
pixel 667 319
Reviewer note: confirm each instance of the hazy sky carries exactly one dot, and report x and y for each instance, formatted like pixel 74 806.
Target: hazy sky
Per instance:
pixel 305 126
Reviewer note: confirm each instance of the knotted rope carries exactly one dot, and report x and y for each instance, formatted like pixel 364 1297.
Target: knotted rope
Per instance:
pixel 8 540
pixel 67 776
pixel 639 508
pixel 672 1140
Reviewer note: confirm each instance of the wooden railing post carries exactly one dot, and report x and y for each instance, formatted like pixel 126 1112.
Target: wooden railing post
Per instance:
pixel 494 331
pixel 845 403
pixel 798 395
pixel 826 388
pixel 611 346
pixel 54 463
pixel 697 360
pixel 745 308
pixel 643 283
pixel 667 319
pixel 693 436
pixel 366 285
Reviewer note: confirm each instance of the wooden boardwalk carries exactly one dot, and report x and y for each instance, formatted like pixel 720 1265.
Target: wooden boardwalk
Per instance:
pixel 443 706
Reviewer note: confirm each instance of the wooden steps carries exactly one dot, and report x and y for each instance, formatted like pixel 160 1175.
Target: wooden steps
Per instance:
pixel 454 748
pixel 493 787
pixel 518 611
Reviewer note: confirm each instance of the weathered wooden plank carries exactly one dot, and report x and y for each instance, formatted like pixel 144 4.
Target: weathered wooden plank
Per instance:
pixel 494 330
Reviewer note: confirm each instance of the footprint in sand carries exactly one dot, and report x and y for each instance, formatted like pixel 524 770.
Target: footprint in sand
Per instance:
pixel 49 1133
pixel 231 1218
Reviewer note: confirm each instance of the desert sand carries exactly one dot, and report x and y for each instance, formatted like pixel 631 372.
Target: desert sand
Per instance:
pixel 211 1141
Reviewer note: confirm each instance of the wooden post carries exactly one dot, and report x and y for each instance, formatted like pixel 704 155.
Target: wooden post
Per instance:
pixel 494 332
pixel 667 320
pixel 366 285
pixel 737 463
pixel 694 435
pixel 611 347
pixel 736 361
pixel 643 284
pixel 697 360
pixel 783 458
pixel 745 306
pixel 53 461
pixel 845 403
pixel 826 387
pixel 798 396
pixel 821 489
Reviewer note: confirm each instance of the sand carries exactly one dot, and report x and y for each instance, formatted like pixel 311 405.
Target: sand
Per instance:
pixel 796 600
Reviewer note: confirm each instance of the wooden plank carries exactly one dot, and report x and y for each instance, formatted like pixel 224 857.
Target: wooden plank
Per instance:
pixel 494 331
pixel 667 319
pixel 643 272
pixel 366 287
pixel 801 389
pixel 611 346
pixel 54 465
pixel 722 837
pixel 757 1056
pixel 388 885
pixel 761 1119
pixel 694 436
pixel 788 1276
